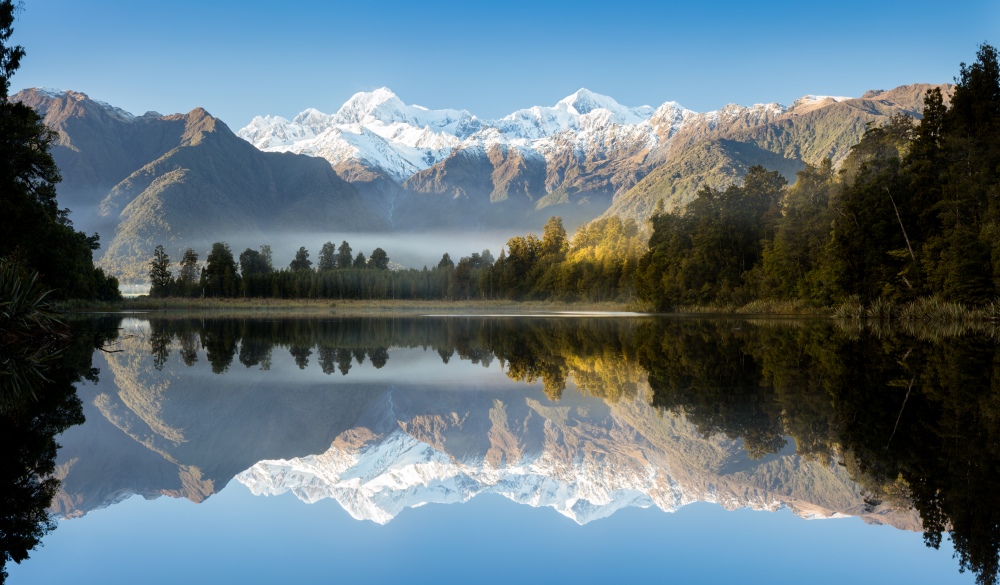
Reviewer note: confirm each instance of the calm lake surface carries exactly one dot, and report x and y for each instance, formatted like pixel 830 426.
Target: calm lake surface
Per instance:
pixel 521 449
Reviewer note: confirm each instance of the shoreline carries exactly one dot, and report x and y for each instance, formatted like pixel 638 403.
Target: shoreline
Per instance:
pixel 921 310
pixel 258 307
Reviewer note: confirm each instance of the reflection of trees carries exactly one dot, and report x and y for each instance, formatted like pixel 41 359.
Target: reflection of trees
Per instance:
pixel 29 423
pixel 914 419
pixel 912 414
pixel 924 416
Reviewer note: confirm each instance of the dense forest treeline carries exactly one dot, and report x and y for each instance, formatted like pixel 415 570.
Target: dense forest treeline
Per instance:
pixel 913 212
pixel 913 415
pixel 596 265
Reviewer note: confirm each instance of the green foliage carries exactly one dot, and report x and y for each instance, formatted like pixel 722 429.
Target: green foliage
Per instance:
pixel 344 258
pixel 327 257
pixel 705 256
pixel 360 262
pixel 912 213
pixel 301 260
pixel 33 229
pixel 379 259
pixel 160 277
pixel 220 279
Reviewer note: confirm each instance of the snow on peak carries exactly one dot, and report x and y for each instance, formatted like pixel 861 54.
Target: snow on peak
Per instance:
pixel 582 110
pixel 367 106
pixel 377 128
pixel 812 102
pixel 50 92
pixel 382 106
pixel 584 101
pixel 822 98
pixel 374 128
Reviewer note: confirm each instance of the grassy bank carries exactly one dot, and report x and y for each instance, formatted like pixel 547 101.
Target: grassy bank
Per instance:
pixel 321 307
pixel 921 310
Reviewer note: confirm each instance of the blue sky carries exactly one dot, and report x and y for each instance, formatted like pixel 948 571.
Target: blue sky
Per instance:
pixel 240 59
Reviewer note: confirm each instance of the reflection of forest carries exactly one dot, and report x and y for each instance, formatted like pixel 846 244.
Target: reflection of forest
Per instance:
pixel 37 402
pixel 914 414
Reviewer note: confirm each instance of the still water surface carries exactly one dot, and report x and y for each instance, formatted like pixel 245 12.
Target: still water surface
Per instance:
pixel 579 449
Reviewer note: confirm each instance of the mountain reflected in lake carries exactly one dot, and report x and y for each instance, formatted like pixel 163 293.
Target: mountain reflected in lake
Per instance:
pixel 587 416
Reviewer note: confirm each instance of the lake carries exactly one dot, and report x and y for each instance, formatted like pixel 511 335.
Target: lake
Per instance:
pixel 499 449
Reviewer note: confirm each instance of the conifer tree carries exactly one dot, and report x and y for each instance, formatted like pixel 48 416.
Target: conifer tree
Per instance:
pixel 160 276
pixel 327 257
pixel 344 257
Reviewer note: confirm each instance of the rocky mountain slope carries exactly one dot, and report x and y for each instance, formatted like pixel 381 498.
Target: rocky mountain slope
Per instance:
pixel 717 149
pixel 184 178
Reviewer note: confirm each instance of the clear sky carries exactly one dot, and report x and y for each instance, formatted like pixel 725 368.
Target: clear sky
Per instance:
pixel 241 59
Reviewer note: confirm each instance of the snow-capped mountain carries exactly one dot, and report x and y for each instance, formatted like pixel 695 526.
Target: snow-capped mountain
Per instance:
pixel 375 128
pixel 378 130
pixel 587 149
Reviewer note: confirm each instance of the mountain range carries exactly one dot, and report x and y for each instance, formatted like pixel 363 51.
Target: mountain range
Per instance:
pixel 378 164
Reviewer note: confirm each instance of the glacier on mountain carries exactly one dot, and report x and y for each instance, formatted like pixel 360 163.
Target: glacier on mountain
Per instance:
pixel 379 131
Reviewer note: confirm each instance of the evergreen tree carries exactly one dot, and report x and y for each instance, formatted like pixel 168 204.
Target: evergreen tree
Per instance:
pixel 379 259
pixel 359 261
pixel 220 277
pixel 252 263
pixel 327 257
pixel 159 273
pixel 265 254
pixel 189 267
pixel 301 260
pixel 344 257
pixel 446 262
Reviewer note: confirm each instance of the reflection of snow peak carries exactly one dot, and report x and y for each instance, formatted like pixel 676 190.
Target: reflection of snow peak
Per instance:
pixel 378 481
pixel 376 129
pixel 583 469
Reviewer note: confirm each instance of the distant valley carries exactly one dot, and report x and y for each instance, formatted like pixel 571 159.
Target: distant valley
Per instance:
pixel 380 166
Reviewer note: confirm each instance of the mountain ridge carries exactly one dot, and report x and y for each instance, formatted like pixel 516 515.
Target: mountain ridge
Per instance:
pixel 378 164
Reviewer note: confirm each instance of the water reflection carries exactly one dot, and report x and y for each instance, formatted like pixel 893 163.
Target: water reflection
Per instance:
pixel 895 425
pixel 37 402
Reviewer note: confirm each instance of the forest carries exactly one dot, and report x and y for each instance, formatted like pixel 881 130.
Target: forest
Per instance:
pixel 911 214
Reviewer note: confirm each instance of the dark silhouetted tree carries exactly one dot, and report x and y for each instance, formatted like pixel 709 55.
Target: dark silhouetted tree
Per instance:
pixel 327 257
pixel 160 276
pixel 301 260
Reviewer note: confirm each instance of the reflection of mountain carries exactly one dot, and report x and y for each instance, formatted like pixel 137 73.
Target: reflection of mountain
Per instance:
pixel 378 448
pixel 584 459
pixel 186 432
